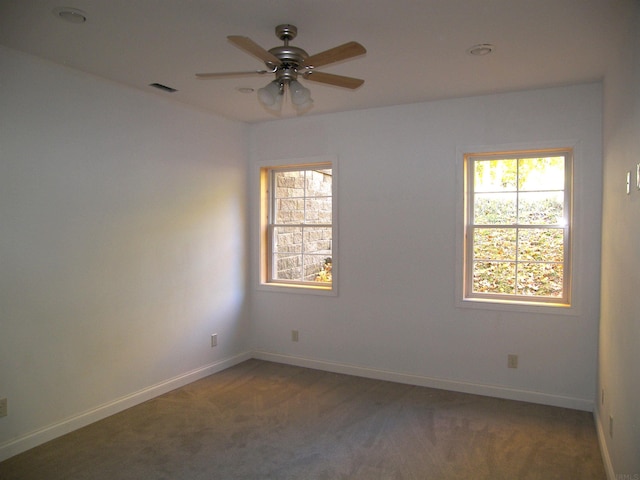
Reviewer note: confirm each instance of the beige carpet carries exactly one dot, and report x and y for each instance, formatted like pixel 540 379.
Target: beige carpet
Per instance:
pixel 261 420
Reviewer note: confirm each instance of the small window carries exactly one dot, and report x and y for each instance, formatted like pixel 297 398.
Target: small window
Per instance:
pixel 518 227
pixel 297 244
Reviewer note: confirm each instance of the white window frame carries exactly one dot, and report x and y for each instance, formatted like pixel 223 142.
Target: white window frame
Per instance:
pixel 265 282
pixel 465 282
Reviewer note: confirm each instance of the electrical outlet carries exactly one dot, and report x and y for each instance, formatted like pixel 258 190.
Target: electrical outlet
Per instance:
pixel 214 339
pixel 3 407
pixel 294 335
pixel 512 361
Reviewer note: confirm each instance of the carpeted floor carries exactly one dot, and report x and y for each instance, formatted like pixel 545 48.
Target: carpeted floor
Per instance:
pixel 261 420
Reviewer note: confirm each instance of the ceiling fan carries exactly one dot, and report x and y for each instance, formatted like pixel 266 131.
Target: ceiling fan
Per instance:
pixel 288 62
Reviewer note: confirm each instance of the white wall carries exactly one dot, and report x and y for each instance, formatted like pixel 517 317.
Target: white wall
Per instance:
pixel 620 318
pixel 399 193
pixel 122 247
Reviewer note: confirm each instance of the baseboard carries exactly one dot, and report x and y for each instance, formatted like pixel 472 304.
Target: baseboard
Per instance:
pixel 38 437
pixel 422 381
pixel 604 450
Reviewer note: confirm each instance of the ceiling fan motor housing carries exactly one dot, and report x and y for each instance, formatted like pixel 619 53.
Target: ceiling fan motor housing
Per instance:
pixel 291 57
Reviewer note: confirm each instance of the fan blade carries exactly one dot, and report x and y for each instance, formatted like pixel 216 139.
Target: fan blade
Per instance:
pixel 231 74
pixel 331 79
pixel 254 49
pixel 342 52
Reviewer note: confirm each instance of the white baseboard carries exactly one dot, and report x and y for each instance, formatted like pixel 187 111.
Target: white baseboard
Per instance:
pixel 38 437
pixel 606 458
pixel 454 385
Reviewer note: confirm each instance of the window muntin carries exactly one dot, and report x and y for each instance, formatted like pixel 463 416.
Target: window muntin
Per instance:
pixel 518 225
pixel 299 229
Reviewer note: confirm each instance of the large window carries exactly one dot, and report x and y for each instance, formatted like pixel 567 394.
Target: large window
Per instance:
pixel 518 226
pixel 298 232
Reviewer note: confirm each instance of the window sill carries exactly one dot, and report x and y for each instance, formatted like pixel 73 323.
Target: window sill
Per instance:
pixel 513 306
pixel 299 289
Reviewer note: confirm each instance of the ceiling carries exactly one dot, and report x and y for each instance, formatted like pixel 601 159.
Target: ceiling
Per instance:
pixel 416 49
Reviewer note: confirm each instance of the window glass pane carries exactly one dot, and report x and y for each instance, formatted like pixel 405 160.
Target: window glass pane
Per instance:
pixel 540 279
pixel 287 267
pixel 494 277
pixel 289 210
pixel 495 175
pixel 289 184
pixel 317 240
pixel 318 183
pixel 318 268
pixel 541 208
pixel 541 173
pixel 495 209
pixel 318 210
pixel 287 240
pixel 494 244
pixel 541 244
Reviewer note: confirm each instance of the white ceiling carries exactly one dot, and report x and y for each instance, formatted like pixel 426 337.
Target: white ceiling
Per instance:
pixel 416 49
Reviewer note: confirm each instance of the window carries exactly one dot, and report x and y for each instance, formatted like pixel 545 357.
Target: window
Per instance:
pixel 518 227
pixel 297 233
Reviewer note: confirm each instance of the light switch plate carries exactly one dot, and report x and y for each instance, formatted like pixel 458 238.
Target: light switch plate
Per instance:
pixel 628 183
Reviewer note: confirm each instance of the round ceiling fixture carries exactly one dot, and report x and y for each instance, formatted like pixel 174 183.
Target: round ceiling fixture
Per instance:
pixel 481 49
pixel 71 15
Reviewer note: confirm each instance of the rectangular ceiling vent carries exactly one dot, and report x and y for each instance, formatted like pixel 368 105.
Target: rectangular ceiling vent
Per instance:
pixel 164 88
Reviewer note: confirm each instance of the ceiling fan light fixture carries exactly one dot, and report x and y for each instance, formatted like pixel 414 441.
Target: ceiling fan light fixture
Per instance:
pixel 270 93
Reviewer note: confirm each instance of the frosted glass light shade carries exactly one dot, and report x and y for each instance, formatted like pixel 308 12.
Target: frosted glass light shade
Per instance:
pixel 269 94
pixel 299 94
